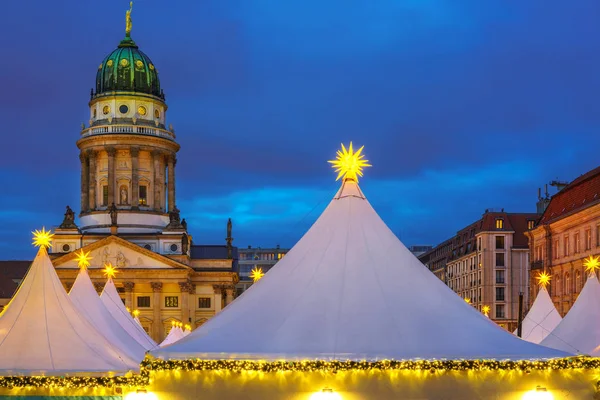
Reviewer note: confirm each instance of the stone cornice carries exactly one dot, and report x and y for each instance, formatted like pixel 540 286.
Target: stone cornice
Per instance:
pixel 125 141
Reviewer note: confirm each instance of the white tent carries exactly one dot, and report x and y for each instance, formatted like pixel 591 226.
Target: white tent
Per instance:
pixel 137 321
pixel 579 331
pixel 174 335
pixel 187 331
pixel 349 289
pixel 42 333
pixel 541 319
pixel 112 301
pixel 86 299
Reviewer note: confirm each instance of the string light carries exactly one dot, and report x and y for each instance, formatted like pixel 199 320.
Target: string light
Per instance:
pixel 75 382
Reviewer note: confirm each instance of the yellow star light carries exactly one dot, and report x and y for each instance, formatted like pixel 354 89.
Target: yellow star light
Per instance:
pixel 42 238
pixel 109 271
pixel 83 259
pixel 543 278
pixel 467 300
pixel 188 327
pixel 592 263
pixel 349 164
pixel 136 313
pixel 256 274
pixel 128 309
pixel 485 310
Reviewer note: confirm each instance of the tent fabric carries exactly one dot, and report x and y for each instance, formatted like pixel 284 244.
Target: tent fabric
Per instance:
pixel 86 300
pixel 174 335
pixel 350 290
pixel 112 301
pixel 579 330
pixel 541 319
pixel 42 332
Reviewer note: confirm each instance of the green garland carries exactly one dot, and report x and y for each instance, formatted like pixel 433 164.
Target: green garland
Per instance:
pixel 75 382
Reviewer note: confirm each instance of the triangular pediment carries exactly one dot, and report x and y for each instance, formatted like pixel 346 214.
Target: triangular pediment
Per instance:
pixel 121 253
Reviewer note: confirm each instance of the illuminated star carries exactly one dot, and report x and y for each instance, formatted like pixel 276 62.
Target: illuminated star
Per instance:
pixel 256 274
pixel 485 310
pixel 136 313
pixel 109 271
pixel 83 259
pixel 592 263
pixel 42 238
pixel 543 279
pixel 188 327
pixel 467 300
pixel 349 164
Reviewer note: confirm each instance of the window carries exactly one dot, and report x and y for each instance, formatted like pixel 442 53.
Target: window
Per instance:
pixel 499 223
pixel 171 301
pixel 204 302
pixel 143 195
pixel 577 281
pixel 500 242
pixel 530 224
pixel 577 248
pixel 143 301
pixel 567 283
pixel 499 294
pixel 588 239
pixel 597 235
pixel 104 195
pixel 479 242
pixel 499 310
pixel 500 276
pixel 555 249
pixel 499 259
pixel 566 246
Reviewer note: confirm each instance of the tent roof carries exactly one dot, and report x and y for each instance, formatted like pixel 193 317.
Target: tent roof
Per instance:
pixel 42 333
pixel 579 331
pixel 349 289
pixel 541 319
pixel 174 335
pixel 86 300
pixel 112 301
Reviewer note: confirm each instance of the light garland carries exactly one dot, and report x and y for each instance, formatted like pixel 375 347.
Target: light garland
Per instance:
pixel 75 382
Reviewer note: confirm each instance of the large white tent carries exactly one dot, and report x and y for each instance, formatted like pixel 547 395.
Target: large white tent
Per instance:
pixel 112 301
pixel 541 319
pixel 349 289
pixel 579 331
pixel 86 300
pixel 42 333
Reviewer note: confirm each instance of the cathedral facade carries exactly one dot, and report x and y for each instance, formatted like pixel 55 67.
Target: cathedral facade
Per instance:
pixel 128 212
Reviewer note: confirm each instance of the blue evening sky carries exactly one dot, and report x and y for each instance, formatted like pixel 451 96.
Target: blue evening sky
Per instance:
pixel 462 105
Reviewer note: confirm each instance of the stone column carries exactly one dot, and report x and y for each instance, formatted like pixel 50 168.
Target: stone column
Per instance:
pixel 193 303
pixel 129 295
pixel 111 174
pixel 185 303
pixel 172 161
pixel 92 179
pixel 135 179
pixel 157 326
pixel 156 156
pixel 229 291
pixel 218 298
pixel 84 183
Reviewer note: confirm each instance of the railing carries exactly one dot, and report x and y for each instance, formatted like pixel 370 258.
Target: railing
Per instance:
pixel 537 264
pixel 133 129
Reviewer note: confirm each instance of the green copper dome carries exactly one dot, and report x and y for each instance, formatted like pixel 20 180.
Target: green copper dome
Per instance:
pixel 127 69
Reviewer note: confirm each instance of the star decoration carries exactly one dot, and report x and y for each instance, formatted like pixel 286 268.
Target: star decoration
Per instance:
pixel 42 238
pixel 188 327
pixel 256 274
pixel 467 300
pixel 592 263
pixel 543 278
pixel 136 313
pixel 349 164
pixel 485 310
pixel 110 271
pixel 83 259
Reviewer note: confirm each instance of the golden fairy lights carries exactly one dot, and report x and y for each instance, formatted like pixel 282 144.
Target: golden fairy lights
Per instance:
pixel 42 238
pixel 256 274
pixel 592 263
pixel 83 259
pixel 543 279
pixel 349 164
pixel 110 271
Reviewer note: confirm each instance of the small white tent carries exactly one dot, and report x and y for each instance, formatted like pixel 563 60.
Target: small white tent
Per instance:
pixel 349 289
pixel 174 335
pixel 579 331
pixel 112 301
pixel 42 333
pixel 541 319
pixel 86 299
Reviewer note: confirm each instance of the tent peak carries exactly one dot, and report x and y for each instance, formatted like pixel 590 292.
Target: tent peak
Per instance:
pixel 349 188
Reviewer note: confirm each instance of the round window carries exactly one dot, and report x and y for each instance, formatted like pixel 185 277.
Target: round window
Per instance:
pixel 147 247
pixel 156 114
pixel 142 110
pixel 173 247
pixel 123 109
pixel 66 247
pixel 105 110
pixel 124 62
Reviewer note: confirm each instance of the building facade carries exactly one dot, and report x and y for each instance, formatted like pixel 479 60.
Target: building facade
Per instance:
pixel 128 214
pixel 256 257
pixel 487 263
pixel 567 233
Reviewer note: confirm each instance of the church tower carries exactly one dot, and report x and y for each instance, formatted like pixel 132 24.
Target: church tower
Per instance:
pixel 127 154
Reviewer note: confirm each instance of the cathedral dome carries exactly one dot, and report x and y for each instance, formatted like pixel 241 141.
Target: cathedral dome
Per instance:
pixel 127 69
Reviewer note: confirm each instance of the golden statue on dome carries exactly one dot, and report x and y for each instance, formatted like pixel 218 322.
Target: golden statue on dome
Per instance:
pixel 128 19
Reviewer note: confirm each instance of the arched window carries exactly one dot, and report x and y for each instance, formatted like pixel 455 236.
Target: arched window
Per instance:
pixel 577 281
pixel 557 286
pixel 567 284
